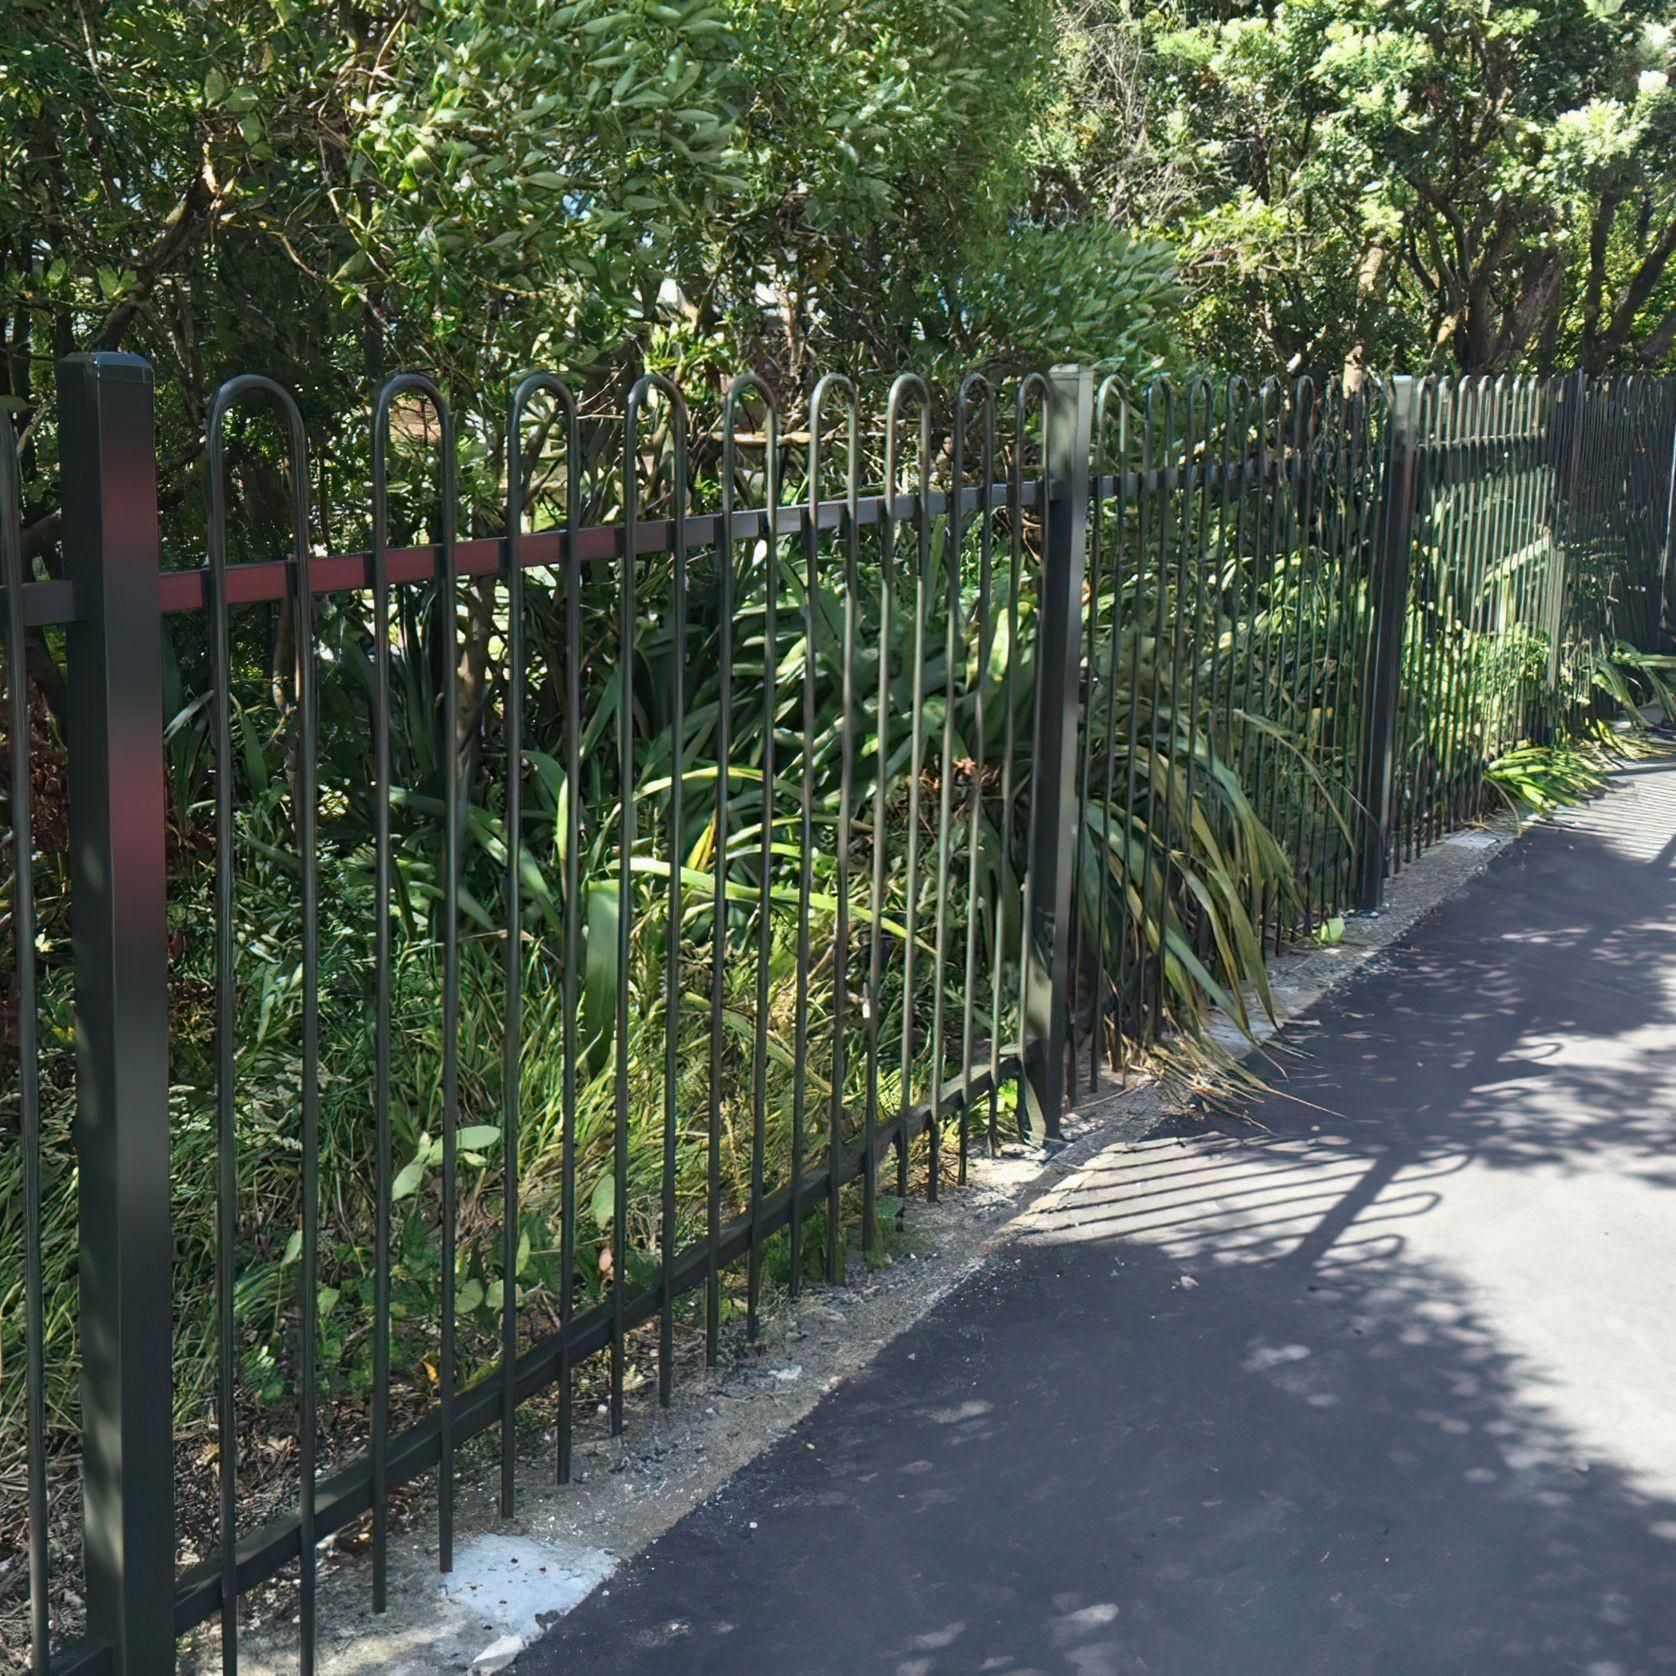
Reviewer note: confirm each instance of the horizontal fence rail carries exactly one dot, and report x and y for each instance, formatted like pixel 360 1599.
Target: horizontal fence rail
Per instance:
pixel 502 955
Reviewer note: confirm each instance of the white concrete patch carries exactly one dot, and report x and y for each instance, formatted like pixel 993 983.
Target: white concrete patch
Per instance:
pixel 1474 840
pixel 507 1588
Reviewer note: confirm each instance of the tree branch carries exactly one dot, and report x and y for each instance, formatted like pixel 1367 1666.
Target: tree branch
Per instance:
pixel 1657 344
pixel 1640 288
pixel 1600 229
pixel 197 207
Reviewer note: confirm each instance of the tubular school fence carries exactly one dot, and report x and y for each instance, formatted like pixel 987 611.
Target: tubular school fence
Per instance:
pixel 483 948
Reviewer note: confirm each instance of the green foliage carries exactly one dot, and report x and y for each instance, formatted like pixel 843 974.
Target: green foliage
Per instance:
pixel 1464 184
pixel 474 187
pixel 1536 779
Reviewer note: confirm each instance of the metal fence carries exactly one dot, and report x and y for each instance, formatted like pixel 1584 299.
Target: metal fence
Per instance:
pixel 575 928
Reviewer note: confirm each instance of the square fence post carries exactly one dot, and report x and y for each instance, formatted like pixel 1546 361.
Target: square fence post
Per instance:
pixel 120 938
pixel 1565 426
pixel 1053 787
pixel 1665 613
pixel 1383 700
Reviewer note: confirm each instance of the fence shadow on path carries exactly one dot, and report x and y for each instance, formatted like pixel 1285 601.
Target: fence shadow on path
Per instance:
pixel 1381 1386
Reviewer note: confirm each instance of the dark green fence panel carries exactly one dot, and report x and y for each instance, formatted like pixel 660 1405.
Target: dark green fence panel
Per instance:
pixel 793 795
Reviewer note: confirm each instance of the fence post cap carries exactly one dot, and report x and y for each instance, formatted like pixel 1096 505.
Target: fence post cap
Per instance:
pixel 1405 398
pixel 108 363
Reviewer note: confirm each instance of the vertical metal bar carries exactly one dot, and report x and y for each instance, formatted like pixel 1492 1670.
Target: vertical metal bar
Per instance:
pixel 765 838
pixel 1195 460
pixel 1157 812
pixel 1217 721
pixel 1053 756
pixel 383 865
pixel 118 929
pixel 1452 399
pixel 1289 661
pixel 1435 649
pixel 906 385
pixel 1111 389
pixel 1122 804
pixel 1414 720
pixel 1512 566
pixel 722 838
pixel 627 835
pixel 1196 530
pixel 1236 571
pixel 1543 535
pixel 1537 531
pixel 1268 591
pixel 1137 851
pixel 382 869
pixel 572 976
pixel 1559 413
pixel 1411 770
pixel 1359 478
pixel 1086 684
pixel 1390 597
pixel 305 817
pixel 1032 384
pixel 668 1229
pixel 1306 422
pixel 1355 499
pixel 226 1014
pixel 1467 503
pixel 1663 625
pixel 1232 504
pixel 308 853
pixel 874 1006
pixel 454 816
pixel 1328 524
pixel 1519 700
pixel 1335 505
pixel 1496 548
pixel 1271 403
pixel 28 1060
pixel 447 591
pixel 983 636
pixel 1413 767
pixel 1478 518
pixel 849 530
pixel 955 535
pixel 809 583
pixel 1273 669
pixel 512 1005
pixel 1369 630
pixel 558 393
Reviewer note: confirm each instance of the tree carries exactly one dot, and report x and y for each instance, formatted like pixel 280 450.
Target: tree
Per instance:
pixel 1462 183
pixel 326 190
pixel 323 189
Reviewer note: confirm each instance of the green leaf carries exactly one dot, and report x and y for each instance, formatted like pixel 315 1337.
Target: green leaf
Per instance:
pixel 603 1205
